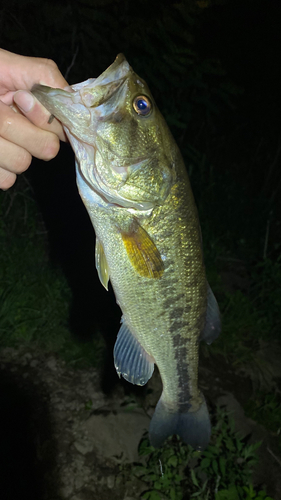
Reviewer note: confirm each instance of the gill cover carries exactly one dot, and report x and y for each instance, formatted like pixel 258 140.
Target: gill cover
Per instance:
pixel 116 132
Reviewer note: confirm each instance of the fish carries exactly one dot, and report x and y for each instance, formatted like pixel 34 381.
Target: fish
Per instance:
pixel 134 184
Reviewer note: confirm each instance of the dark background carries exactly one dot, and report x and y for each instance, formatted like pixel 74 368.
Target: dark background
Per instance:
pixel 213 68
pixel 214 71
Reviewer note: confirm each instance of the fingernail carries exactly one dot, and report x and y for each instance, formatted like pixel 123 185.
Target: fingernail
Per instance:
pixel 24 100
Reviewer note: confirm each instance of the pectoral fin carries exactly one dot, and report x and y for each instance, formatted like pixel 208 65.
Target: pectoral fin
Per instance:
pixel 142 252
pixel 130 358
pixel 101 264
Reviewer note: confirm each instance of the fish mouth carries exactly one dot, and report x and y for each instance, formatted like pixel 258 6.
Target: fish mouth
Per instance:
pixel 104 86
pixel 116 71
pixel 90 93
pixel 82 106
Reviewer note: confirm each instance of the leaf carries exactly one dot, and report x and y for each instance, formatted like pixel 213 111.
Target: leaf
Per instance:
pixel 157 485
pixel 152 476
pixel 173 461
pixel 173 494
pixel 208 454
pixel 205 462
pixel 144 448
pixel 230 494
pixel 194 478
pixel 229 444
pixel 250 491
pixel 239 445
pixel 213 449
pixel 222 463
pixel 215 466
pixel 151 495
pixel 178 478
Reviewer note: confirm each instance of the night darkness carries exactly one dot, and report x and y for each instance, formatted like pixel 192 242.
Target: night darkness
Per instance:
pixel 214 71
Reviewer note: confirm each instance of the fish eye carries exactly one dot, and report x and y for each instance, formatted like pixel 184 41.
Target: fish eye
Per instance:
pixel 142 105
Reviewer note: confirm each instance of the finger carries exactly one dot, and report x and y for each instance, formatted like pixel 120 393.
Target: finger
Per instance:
pixel 43 71
pixel 13 158
pixel 7 179
pixel 23 72
pixel 17 129
pixel 37 114
pixel 7 98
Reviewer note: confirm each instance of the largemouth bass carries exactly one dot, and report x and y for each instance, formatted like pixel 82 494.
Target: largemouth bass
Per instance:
pixel 133 182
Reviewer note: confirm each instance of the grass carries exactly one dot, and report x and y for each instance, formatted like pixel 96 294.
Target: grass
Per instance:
pixel 250 339
pixel 237 201
pixel 265 408
pixel 222 472
pixel 34 295
pixel 34 311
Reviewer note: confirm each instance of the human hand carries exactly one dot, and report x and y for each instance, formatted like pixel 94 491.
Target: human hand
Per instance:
pixel 24 128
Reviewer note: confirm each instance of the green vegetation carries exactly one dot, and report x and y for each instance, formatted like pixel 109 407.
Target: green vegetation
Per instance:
pixel 232 159
pixel 222 472
pixel 34 296
pixel 265 408
pixel 252 320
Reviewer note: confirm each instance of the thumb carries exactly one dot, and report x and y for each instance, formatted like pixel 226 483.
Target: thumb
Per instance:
pixel 37 114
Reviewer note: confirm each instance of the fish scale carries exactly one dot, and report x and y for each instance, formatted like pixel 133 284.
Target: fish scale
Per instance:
pixel 139 317
pixel 133 182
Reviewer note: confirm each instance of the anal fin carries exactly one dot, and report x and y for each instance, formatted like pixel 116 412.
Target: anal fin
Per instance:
pixel 130 358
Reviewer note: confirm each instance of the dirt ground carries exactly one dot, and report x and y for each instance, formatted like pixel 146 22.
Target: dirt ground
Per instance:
pixel 63 437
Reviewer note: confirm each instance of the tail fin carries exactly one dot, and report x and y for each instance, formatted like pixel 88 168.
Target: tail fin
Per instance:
pixel 193 427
